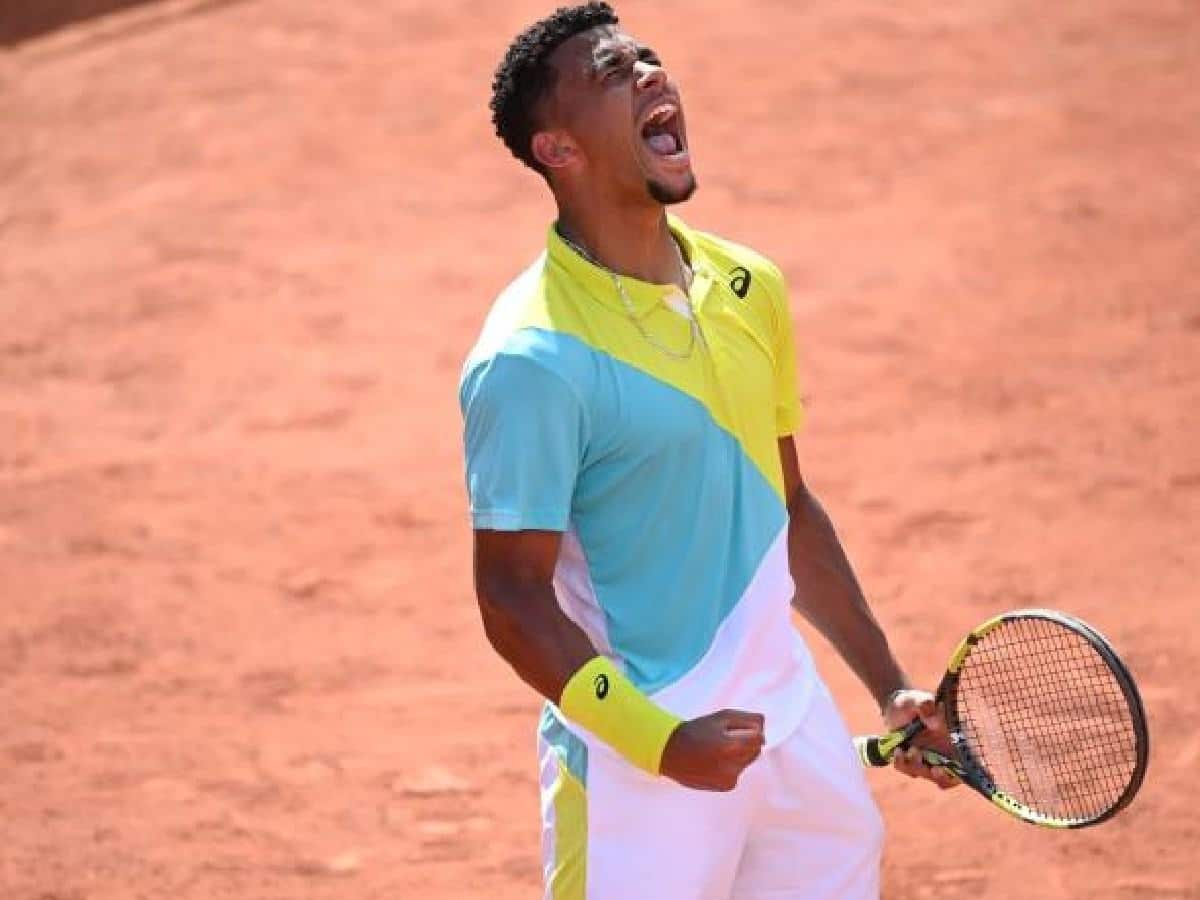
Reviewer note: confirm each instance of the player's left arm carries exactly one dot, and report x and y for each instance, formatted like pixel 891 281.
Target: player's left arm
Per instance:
pixel 828 595
pixel 827 592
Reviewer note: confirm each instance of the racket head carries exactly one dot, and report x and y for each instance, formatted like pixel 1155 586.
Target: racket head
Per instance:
pixel 1046 720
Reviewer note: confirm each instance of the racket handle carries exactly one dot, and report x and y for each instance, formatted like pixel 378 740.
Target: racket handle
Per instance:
pixel 878 749
pixel 868 751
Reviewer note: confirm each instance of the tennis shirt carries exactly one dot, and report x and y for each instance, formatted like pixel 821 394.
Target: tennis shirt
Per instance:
pixel 586 415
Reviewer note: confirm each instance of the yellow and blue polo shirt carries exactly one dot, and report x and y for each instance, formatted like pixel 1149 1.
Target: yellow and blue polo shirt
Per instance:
pixel 662 474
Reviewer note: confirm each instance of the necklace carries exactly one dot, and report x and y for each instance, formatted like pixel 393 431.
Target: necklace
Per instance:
pixel 694 332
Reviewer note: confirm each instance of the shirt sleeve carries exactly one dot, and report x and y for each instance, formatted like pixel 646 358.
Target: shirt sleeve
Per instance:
pixel 524 436
pixel 789 410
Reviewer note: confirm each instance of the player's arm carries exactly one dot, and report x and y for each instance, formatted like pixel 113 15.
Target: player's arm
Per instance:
pixel 514 573
pixel 828 595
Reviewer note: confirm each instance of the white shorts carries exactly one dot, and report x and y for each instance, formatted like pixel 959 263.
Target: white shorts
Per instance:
pixel 800 824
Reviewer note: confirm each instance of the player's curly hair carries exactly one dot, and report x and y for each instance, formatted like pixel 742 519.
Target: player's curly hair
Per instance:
pixel 524 78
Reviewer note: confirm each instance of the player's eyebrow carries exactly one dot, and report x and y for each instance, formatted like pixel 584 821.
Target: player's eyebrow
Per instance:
pixel 612 52
pixel 608 55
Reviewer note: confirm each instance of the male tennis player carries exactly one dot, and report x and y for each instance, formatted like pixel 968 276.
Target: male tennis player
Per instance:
pixel 639 516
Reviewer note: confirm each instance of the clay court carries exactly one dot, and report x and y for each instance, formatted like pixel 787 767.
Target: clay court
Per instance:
pixel 244 246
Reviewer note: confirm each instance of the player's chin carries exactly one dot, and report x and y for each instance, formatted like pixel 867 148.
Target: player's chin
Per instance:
pixel 676 189
pixel 669 177
pixel 670 187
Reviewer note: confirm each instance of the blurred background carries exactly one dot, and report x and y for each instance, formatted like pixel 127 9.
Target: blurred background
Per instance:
pixel 244 247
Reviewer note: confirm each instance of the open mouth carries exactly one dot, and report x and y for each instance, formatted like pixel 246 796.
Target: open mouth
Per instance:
pixel 662 131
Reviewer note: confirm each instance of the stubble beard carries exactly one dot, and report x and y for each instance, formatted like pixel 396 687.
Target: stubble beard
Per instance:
pixel 668 196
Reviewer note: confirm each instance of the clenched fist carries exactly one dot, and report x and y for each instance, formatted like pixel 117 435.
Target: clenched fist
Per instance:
pixel 710 753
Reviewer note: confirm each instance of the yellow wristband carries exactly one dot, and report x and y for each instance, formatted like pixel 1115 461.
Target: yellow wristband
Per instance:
pixel 601 699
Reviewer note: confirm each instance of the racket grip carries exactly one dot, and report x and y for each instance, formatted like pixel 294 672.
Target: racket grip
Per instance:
pixel 868 751
pixel 878 749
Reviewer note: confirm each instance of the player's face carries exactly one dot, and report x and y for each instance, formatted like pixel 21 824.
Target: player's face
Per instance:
pixel 623 112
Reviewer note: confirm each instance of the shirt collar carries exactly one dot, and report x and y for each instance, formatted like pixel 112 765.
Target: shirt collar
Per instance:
pixel 598 281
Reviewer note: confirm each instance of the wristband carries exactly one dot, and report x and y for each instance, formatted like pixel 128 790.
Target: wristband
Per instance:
pixel 601 699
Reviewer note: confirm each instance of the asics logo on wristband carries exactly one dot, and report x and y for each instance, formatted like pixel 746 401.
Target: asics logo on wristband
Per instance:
pixel 601 699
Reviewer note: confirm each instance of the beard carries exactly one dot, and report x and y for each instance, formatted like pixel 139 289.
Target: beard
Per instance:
pixel 668 196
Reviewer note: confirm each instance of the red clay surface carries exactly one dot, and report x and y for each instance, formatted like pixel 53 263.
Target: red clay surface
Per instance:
pixel 243 249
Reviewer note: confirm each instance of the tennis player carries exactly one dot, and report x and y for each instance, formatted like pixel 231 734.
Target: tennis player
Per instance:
pixel 641 524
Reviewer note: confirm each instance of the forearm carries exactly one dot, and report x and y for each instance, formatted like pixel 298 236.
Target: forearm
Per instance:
pixel 829 597
pixel 552 654
pixel 528 629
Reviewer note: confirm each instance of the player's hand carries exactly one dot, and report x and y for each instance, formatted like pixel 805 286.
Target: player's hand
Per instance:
pixel 709 753
pixel 902 709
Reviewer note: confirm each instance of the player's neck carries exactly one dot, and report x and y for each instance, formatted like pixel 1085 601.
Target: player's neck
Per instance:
pixel 633 242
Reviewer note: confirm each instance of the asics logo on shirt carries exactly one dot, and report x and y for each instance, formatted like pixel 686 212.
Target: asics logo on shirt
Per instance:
pixel 740 284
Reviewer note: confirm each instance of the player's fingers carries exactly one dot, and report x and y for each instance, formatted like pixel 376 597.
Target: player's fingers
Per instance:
pixel 944 778
pixel 915 764
pixel 744 749
pixel 908 762
pixel 747 754
pixel 743 746
pixel 743 732
pixel 713 784
pixel 739 719
pixel 932 716
pixel 747 738
pixel 902 710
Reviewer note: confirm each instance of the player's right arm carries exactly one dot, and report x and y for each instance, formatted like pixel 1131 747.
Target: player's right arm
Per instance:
pixel 514 573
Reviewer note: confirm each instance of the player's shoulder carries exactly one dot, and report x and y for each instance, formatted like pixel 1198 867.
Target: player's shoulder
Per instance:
pixel 741 263
pixel 515 343
pixel 508 312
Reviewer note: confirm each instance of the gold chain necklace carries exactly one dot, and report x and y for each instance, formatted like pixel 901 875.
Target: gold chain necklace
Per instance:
pixel 694 332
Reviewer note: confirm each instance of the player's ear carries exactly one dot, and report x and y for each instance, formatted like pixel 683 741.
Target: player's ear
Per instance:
pixel 553 149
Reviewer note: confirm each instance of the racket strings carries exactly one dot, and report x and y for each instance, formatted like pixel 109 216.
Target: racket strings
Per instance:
pixel 1043 713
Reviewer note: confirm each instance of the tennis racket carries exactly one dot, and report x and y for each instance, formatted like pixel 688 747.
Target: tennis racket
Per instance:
pixel 1045 721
